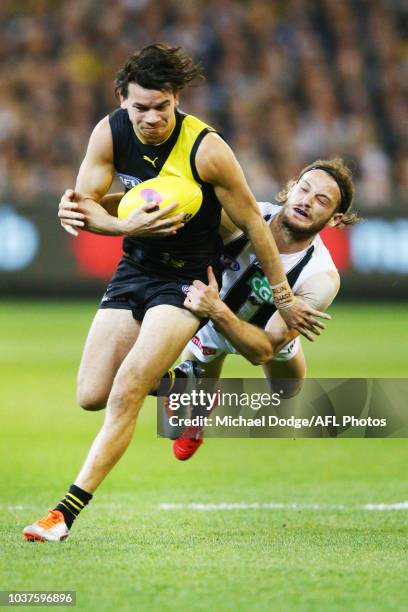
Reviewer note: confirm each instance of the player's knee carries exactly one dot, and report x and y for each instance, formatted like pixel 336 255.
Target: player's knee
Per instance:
pixel 262 358
pixel 129 390
pixel 90 399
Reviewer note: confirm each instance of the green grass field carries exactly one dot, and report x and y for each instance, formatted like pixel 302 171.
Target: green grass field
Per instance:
pixel 128 553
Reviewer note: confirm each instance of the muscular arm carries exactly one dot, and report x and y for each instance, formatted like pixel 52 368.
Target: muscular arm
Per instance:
pixel 89 208
pixel 227 227
pixel 94 180
pixel 256 344
pixel 217 165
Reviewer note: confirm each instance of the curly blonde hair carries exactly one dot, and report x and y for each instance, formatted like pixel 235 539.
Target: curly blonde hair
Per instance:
pixel 343 177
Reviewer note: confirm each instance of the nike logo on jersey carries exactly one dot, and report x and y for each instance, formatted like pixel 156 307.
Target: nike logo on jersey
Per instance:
pixel 152 161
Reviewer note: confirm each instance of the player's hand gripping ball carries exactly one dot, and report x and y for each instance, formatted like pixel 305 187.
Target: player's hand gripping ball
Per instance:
pixel 163 191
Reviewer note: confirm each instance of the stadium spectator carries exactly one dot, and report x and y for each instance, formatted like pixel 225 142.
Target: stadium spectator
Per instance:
pixel 288 82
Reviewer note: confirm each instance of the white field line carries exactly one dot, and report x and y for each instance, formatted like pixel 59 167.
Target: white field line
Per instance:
pixel 40 508
pixel 279 506
pixel 235 506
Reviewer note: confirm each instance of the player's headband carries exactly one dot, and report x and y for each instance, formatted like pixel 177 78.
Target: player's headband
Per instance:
pixel 344 204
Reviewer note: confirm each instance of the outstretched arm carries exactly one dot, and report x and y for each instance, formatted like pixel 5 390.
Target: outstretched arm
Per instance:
pixel 256 344
pixel 216 164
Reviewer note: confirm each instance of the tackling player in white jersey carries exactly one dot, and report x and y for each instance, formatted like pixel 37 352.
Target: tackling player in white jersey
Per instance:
pixel 242 316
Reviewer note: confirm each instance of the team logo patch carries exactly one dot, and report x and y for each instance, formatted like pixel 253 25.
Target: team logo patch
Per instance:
pixel 129 181
pixel 260 287
pixel 229 262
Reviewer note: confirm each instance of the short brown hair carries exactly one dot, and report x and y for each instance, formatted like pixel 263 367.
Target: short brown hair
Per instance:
pixel 158 66
pixel 343 177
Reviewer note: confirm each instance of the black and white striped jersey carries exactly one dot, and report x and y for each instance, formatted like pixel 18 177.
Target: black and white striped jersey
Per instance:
pixel 245 288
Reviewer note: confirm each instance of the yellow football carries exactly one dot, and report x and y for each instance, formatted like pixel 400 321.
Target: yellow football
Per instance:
pixel 164 190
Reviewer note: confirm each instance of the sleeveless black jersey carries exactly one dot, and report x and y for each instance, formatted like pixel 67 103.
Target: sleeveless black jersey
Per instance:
pixel 197 245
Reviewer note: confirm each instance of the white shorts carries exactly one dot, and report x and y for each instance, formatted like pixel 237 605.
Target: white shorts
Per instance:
pixel 208 344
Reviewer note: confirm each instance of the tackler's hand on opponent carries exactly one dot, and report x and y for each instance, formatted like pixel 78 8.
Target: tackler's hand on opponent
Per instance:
pixel 204 300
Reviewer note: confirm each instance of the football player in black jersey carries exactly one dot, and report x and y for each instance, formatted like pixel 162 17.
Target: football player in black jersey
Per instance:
pixel 142 324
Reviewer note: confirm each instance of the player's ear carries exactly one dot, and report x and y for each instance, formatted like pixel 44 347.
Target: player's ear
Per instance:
pixel 176 95
pixel 122 101
pixel 335 220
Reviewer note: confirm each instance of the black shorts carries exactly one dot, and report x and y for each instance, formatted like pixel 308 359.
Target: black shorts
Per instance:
pixel 134 288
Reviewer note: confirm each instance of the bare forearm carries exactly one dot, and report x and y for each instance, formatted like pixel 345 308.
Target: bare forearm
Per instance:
pixel 99 221
pixel 92 184
pixel 266 251
pixel 252 342
pixel 102 217
pixel 257 345
pixel 110 203
pixel 217 165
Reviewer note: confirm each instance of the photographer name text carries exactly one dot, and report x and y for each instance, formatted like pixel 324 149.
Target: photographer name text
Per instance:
pixel 275 421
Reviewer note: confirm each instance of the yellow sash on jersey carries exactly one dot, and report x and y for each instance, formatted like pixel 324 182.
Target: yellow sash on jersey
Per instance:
pixel 178 162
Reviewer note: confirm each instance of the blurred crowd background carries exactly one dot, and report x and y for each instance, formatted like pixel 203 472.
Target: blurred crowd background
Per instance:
pixel 287 82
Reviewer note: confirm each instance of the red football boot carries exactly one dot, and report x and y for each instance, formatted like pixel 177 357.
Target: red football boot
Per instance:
pixel 188 443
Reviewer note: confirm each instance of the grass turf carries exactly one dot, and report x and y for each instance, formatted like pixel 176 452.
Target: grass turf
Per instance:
pixel 127 553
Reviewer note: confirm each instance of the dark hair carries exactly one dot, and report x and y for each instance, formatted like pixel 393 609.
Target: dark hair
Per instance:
pixel 158 66
pixel 343 177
